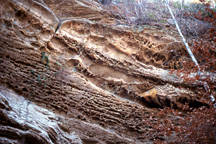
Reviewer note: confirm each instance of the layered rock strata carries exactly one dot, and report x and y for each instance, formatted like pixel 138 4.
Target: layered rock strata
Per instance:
pixel 98 78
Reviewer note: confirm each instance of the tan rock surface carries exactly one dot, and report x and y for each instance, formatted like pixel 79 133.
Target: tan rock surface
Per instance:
pixel 97 77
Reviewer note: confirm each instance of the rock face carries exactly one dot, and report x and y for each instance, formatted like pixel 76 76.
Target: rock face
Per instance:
pixel 94 79
pixel 23 122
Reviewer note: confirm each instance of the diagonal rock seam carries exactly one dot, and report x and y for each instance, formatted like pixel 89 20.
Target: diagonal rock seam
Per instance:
pixel 89 73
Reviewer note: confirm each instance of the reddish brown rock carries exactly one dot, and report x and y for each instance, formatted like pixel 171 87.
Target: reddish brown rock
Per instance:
pixel 97 79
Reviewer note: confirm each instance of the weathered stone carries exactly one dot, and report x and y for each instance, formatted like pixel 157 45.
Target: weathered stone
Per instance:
pixel 24 122
pixel 92 79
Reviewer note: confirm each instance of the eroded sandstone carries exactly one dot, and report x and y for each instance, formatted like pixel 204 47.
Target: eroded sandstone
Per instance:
pixel 97 77
pixel 24 122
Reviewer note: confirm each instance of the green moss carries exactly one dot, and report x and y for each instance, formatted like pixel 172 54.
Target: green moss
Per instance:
pixel 163 21
pixel 45 58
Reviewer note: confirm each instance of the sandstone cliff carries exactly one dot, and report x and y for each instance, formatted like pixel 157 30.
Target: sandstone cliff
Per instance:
pixel 71 73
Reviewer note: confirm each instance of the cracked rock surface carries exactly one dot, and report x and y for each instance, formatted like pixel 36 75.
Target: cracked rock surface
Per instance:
pixel 24 122
pixel 67 75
